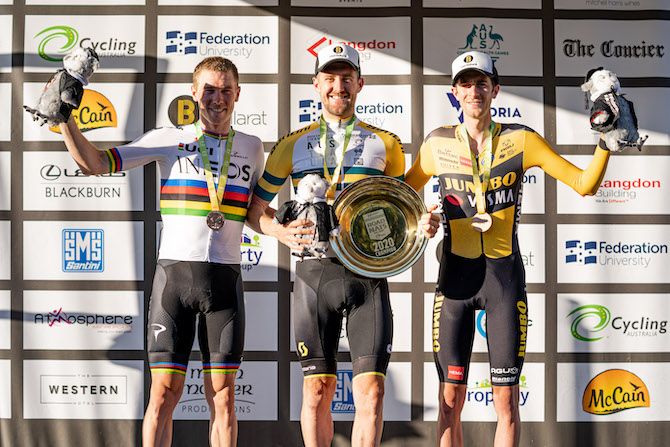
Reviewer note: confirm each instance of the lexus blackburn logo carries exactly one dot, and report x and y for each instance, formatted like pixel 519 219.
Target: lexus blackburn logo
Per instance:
pixel 591 312
pixel 58 40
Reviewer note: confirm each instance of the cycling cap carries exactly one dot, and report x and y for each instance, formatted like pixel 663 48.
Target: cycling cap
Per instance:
pixel 337 52
pixel 473 60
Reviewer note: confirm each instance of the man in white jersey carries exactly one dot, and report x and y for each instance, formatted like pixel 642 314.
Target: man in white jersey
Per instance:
pixel 207 173
pixel 342 149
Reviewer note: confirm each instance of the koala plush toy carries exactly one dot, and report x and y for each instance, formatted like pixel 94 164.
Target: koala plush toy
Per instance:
pixel 64 90
pixel 611 113
pixel 310 203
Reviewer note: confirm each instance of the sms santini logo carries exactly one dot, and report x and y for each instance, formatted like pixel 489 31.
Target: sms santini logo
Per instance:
pixel 613 391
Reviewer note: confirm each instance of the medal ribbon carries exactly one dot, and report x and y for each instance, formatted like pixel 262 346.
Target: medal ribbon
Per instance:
pixel 215 194
pixel 323 139
pixel 486 157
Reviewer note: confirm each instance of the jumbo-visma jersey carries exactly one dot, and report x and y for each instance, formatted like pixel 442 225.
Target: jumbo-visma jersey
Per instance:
pixel 516 148
pixel 371 151
pixel 184 197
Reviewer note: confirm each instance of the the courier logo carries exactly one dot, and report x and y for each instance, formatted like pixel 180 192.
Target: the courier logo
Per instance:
pixel 613 391
pixel 96 111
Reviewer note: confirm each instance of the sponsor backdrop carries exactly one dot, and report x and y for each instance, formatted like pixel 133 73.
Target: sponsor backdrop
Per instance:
pixel 77 253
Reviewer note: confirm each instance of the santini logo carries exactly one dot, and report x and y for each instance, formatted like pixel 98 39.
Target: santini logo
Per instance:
pixel 613 391
pixel 343 401
pixel 83 250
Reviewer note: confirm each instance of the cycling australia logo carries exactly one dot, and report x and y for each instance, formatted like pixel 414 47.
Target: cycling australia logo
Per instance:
pixel 343 400
pixel 251 251
pixel 596 313
pixel 613 391
pixel 498 112
pixel 203 43
pixel 482 37
pixel 618 254
pixel 96 111
pixel 83 250
pixel 58 40
pixel 625 190
pixel 592 322
pixel 482 392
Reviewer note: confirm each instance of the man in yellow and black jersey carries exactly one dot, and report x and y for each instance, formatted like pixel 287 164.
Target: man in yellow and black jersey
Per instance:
pixel 342 149
pixel 480 165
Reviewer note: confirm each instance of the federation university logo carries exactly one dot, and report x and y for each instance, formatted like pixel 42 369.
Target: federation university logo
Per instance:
pixel 343 400
pixel 578 252
pixel 181 43
pixel 83 250
pixel 310 110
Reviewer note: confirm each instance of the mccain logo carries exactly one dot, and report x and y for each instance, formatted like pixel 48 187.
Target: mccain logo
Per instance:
pixel 94 112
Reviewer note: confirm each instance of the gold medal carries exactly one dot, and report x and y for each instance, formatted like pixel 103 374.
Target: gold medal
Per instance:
pixel 481 222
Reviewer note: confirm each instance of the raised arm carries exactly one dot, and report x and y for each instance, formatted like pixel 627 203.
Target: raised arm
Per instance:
pixel 90 159
pixel 586 182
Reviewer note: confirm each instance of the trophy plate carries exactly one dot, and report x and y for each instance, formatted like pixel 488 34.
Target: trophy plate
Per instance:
pixel 379 227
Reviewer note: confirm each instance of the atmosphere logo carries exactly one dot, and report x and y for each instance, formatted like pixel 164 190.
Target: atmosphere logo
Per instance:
pixel 83 250
pixel 613 391
pixel 56 41
pixel 482 38
pixel 581 253
pixel 205 44
pixel 590 312
pixel 496 112
pixel 343 400
pixel 116 323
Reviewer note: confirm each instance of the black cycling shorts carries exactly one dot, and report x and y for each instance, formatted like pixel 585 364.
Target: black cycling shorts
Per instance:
pixel 182 291
pixel 496 285
pixel 323 293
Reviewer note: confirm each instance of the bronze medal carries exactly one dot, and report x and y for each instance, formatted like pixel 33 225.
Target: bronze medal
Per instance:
pixel 215 220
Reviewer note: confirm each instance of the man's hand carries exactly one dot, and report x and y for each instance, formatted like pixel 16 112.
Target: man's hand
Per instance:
pixel 295 234
pixel 430 222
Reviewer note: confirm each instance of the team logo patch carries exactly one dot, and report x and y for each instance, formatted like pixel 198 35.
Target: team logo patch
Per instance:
pixel 455 372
